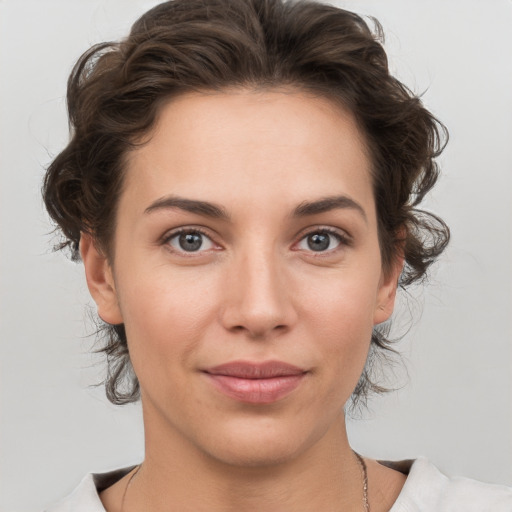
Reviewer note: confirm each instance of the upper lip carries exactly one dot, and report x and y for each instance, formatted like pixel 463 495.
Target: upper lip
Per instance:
pixel 255 370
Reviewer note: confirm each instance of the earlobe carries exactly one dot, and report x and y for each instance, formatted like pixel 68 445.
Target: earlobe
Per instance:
pixel 100 281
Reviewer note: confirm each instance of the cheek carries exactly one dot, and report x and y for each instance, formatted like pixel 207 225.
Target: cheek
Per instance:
pixel 339 316
pixel 165 315
pixel 339 328
pixel 343 299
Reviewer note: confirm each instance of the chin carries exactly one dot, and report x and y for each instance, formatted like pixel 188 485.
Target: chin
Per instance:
pixel 264 443
pixel 255 454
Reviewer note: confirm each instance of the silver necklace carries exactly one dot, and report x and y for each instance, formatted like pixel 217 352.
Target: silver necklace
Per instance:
pixel 360 460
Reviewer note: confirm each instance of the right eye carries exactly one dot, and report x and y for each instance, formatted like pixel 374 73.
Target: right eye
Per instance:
pixel 190 241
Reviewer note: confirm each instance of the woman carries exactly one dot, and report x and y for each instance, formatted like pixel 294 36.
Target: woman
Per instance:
pixel 241 186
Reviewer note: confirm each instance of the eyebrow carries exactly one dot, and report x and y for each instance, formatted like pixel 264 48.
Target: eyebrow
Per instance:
pixel 204 208
pixel 327 204
pixel 214 211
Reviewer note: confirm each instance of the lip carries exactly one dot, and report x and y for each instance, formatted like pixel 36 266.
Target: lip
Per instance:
pixel 254 382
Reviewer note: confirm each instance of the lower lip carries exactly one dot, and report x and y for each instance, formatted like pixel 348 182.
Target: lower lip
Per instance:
pixel 256 391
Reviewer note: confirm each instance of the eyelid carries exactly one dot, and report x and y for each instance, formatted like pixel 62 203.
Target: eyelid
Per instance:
pixel 345 240
pixel 169 235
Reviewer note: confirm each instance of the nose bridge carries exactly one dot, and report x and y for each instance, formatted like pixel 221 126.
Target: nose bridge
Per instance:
pixel 259 301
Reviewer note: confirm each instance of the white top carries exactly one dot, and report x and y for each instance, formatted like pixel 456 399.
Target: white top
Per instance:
pixel 426 490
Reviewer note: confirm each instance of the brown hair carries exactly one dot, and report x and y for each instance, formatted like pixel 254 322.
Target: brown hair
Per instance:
pixel 115 90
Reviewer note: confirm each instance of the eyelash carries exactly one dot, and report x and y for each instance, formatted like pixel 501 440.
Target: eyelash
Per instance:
pixel 342 239
pixel 185 231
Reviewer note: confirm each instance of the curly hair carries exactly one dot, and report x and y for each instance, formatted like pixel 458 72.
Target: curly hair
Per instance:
pixel 116 89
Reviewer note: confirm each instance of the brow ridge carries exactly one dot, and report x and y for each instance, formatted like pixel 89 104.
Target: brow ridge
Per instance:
pixel 326 204
pixel 212 210
pixel 190 205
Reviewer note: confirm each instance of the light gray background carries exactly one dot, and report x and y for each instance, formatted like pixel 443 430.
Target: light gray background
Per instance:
pixel 456 406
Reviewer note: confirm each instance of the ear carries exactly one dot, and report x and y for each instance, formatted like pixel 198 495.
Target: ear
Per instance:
pixel 100 281
pixel 387 291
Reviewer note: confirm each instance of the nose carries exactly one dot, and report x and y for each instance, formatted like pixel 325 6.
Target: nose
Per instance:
pixel 258 297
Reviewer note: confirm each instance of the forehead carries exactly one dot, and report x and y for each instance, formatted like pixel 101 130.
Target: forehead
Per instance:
pixel 245 145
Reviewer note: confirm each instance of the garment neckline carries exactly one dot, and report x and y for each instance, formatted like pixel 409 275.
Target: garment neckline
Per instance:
pixel 106 479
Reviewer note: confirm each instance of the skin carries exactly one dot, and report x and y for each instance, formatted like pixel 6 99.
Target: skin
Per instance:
pixel 255 291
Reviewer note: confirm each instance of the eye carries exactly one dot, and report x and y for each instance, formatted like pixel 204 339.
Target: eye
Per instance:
pixel 321 241
pixel 190 241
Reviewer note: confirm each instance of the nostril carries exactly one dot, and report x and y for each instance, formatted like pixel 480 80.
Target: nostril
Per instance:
pixel 260 306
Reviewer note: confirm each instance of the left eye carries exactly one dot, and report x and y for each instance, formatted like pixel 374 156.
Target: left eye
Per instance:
pixel 190 241
pixel 320 241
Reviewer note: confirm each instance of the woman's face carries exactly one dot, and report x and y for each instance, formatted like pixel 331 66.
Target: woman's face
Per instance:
pixel 247 272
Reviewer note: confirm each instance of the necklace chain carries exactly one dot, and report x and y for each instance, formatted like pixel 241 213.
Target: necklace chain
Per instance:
pixel 364 471
pixel 360 460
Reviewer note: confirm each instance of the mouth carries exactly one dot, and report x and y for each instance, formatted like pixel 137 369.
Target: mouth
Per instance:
pixel 256 383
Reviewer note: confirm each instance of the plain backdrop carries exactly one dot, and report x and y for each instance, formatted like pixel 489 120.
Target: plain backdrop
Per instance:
pixel 455 401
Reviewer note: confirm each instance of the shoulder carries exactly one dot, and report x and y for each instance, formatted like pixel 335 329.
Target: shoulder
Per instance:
pixel 85 498
pixel 427 489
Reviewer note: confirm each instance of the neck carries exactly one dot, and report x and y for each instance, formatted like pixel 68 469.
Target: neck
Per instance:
pixel 324 476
